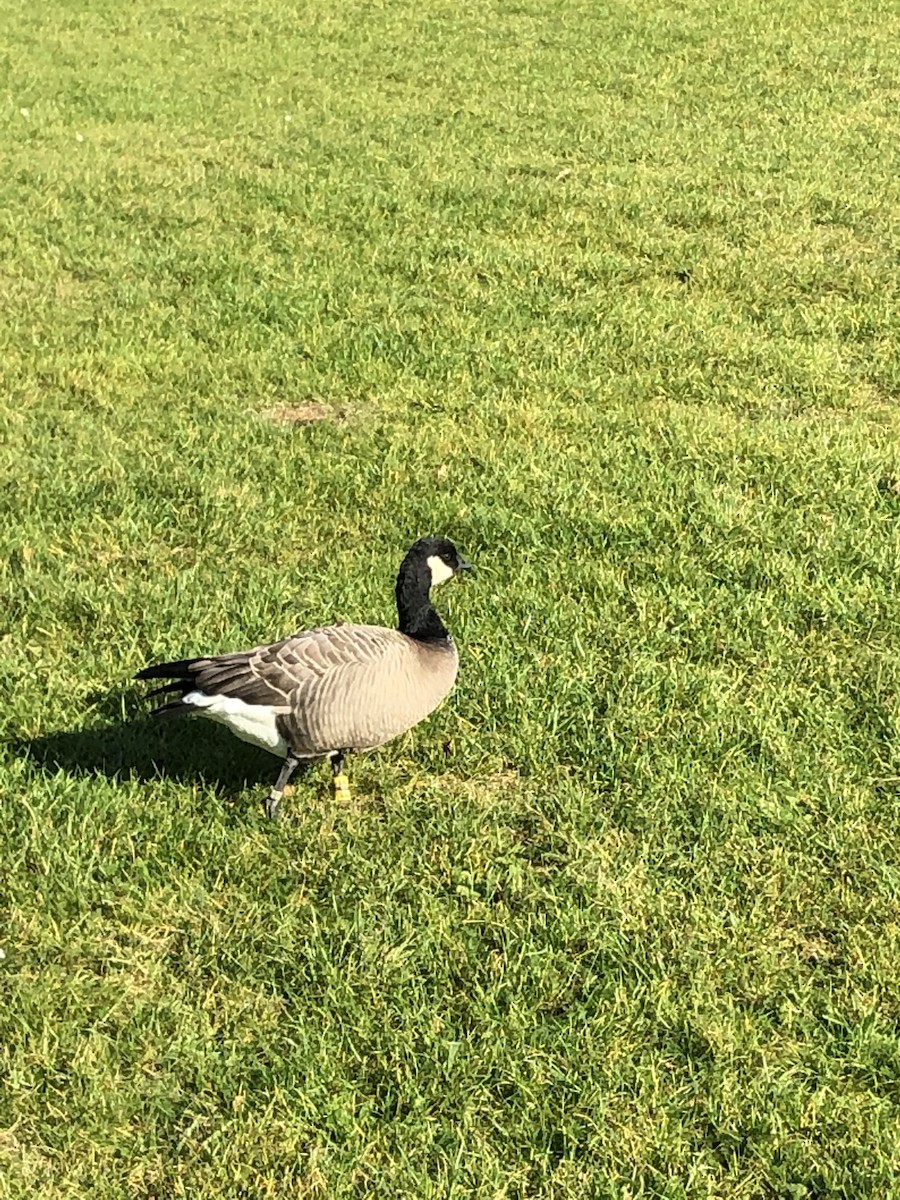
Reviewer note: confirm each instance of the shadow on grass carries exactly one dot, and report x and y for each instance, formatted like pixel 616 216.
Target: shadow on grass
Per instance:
pixel 186 750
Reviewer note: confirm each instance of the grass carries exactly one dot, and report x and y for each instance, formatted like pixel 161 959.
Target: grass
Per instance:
pixel 607 293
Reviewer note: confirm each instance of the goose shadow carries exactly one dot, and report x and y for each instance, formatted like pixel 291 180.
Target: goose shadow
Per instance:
pixel 134 745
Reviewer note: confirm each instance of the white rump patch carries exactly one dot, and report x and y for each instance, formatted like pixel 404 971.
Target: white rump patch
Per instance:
pixel 254 723
pixel 440 572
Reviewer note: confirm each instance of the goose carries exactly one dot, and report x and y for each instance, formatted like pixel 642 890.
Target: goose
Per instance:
pixel 334 690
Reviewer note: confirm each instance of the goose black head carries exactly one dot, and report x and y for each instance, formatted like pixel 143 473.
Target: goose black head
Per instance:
pixel 429 562
pixel 439 557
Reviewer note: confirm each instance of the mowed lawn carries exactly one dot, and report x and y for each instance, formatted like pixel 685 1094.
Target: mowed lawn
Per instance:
pixel 608 293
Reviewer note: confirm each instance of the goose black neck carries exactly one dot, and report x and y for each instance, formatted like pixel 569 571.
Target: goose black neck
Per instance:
pixel 416 614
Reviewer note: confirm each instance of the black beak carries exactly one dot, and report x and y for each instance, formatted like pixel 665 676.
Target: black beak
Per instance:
pixel 462 565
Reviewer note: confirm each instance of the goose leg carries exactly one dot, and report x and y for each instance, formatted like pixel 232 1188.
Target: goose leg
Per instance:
pixel 340 782
pixel 273 803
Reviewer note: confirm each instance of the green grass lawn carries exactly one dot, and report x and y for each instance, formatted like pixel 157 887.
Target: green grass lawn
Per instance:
pixel 610 295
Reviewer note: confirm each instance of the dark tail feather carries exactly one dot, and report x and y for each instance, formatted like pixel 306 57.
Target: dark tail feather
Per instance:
pixel 175 708
pixel 182 681
pixel 178 685
pixel 168 670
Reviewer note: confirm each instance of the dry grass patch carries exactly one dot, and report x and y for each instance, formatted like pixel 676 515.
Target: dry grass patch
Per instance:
pixel 308 413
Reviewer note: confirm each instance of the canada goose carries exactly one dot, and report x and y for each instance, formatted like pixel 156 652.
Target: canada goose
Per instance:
pixel 331 691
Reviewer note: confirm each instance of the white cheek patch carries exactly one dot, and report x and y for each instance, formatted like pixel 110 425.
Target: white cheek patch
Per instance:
pixel 440 572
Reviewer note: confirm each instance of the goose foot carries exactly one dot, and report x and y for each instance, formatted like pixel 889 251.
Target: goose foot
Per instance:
pixel 340 782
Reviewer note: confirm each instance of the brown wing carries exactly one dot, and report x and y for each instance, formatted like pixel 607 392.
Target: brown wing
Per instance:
pixel 277 674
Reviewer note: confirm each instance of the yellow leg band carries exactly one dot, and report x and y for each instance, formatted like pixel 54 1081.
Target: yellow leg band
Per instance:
pixel 341 788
